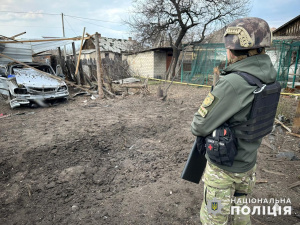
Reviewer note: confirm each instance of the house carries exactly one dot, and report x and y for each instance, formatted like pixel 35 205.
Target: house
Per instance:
pixel 289 30
pixel 109 48
pixel 44 57
pixel 286 51
pixel 152 63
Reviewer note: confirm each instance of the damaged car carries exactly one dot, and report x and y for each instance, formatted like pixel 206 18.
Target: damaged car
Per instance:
pixel 22 85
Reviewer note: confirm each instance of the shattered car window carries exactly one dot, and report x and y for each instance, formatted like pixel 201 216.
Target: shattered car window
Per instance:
pixel 43 68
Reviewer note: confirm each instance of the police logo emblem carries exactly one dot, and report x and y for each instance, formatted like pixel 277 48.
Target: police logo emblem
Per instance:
pixel 208 100
pixel 214 206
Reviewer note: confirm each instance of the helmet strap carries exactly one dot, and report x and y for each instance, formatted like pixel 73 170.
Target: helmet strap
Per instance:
pixel 256 51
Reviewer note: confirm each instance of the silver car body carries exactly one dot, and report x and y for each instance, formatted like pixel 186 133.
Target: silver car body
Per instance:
pixel 24 85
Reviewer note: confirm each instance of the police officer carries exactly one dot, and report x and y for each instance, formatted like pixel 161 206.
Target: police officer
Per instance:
pixel 231 102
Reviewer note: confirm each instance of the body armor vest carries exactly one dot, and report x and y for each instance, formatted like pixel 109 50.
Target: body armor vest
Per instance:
pixel 263 110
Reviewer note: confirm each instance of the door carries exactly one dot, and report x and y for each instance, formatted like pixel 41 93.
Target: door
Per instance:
pixel 169 59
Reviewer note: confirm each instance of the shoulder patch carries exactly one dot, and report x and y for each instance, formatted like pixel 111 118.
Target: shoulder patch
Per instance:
pixel 208 100
pixel 202 111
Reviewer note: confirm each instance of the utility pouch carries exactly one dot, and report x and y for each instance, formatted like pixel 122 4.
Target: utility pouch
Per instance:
pixel 221 146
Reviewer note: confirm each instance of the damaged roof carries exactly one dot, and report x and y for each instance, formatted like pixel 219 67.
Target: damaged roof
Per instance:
pixel 18 51
pixel 23 51
pixel 110 45
pixel 113 45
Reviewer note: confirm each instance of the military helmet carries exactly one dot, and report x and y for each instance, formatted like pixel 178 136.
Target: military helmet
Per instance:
pixel 248 33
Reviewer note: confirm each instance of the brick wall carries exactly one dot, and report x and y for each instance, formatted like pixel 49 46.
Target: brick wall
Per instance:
pixel 142 64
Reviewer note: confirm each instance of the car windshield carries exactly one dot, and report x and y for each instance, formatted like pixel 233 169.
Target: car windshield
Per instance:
pixel 44 68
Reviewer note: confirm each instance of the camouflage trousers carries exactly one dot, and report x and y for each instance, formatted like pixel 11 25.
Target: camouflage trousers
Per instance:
pixel 220 186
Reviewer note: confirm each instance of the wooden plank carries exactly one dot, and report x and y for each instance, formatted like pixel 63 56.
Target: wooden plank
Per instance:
pixel 17 35
pixel 294 184
pixel 99 73
pixel 296 124
pixel 293 134
pixel 261 181
pixel 272 172
pixel 78 60
pixel 45 40
pixel 285 127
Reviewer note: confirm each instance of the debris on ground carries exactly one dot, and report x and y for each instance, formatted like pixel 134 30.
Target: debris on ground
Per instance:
pixel 127 80
pixel 287 155
pixel 80 93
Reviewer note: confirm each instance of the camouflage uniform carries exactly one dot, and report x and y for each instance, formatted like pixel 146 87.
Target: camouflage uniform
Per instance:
pixel 230 101
pixel 221 185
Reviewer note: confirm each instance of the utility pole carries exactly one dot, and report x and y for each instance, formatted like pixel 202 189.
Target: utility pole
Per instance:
pixel 63 28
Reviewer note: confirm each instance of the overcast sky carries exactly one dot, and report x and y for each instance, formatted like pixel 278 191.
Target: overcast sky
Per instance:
pixel 107 16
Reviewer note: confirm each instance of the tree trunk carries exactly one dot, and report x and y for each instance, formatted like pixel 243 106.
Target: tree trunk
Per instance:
pixel 176 52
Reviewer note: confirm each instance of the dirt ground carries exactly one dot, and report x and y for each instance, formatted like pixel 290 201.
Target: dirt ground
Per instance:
pixel 119 161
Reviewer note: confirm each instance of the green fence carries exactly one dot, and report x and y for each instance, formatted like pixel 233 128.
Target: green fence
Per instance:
pixel 284 55
pixel 207 56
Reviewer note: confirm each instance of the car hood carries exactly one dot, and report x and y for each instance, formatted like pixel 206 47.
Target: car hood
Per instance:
pixel 32 78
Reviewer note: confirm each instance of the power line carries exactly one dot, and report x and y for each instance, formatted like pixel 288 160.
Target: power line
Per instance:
pixel 31 13
pixel 56 14
pixel 98 25
pixel 30 26
pixel 82 19
pixel 106 21
pixel 70 26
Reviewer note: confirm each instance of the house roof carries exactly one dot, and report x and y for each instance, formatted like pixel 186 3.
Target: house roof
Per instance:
pixel 152 49
pixel 110 45
pixel 114 45
pixel 216 36
pixel 287 23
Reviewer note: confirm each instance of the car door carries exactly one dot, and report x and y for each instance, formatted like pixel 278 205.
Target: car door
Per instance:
pixel 3 86
pixel 3 82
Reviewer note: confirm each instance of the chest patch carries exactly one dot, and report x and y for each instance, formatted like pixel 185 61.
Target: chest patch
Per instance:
pixel 208 100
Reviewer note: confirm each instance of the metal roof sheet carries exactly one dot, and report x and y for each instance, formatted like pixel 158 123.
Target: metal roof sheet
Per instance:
pixel 23 51
pixel 18 51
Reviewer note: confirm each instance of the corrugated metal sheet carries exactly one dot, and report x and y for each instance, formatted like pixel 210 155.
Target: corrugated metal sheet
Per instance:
pixel 23 51
pixel 18 51
pixel 49 45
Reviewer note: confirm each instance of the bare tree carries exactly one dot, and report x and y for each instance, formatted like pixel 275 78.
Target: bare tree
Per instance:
pixel 151 18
